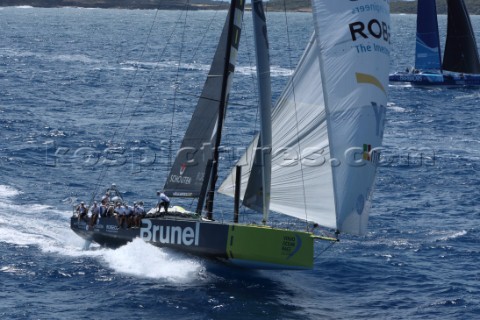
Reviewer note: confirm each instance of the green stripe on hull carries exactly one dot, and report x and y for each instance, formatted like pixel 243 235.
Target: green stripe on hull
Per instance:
pixel 270 248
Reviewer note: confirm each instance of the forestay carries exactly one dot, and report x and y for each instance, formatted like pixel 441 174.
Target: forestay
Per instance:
pixel 327 126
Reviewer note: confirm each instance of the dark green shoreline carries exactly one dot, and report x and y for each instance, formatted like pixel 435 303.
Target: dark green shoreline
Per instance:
pixel 120 4
pixel 272 5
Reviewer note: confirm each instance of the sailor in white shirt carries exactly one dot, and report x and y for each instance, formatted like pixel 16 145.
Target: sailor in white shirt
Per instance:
pixel 163 201
pixel 95 210
pixel 139 213
pixel 120 213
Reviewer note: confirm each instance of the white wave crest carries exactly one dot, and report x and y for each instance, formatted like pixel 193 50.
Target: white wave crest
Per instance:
pixel 7 192
pixel 141 259
pixel 392 106
pixel 453 235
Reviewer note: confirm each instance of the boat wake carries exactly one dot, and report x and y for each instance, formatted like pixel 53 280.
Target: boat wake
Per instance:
pixel 143 260
pixel 47 229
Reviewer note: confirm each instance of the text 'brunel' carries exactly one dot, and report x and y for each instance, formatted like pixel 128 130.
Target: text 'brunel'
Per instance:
pixel 170 234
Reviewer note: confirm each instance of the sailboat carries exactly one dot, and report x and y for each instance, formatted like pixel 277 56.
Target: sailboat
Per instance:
pixel 315 156
pixel 461 63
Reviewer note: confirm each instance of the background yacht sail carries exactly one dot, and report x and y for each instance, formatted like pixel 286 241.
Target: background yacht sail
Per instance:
pixel 461 51
pixel 329 120
pixel 427 50
pixel 187 174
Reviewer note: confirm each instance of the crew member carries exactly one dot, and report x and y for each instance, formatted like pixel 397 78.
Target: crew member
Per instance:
pixel 82 212
pixel 163 201
pixel 95 210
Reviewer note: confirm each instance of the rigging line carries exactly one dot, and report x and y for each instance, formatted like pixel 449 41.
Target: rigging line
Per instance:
pixel 324 250
pixel 185 93
pixel 201 40
pixel 104 168
pixel 177 76
pixel 296 113
pixel 175 92
pixel 160 55
pixel 135 73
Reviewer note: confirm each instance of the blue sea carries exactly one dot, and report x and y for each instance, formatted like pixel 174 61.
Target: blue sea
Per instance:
pixel 90 97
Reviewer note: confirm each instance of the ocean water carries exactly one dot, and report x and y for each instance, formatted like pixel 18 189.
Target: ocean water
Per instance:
pixel 89 97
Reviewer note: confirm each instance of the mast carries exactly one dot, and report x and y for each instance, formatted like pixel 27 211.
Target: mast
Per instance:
pixel 233 40
pixel 264 87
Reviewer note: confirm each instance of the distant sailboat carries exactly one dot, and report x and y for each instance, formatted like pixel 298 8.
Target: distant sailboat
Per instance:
pixel 315 157
pixel 461 63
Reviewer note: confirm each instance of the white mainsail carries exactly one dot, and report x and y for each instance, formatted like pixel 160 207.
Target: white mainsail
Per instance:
pixel 327 126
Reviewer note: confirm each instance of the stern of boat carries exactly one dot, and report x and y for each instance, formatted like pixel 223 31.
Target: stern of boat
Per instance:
pixel 269 248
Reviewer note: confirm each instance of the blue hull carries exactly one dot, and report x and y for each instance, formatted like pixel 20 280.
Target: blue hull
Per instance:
pixel 435 79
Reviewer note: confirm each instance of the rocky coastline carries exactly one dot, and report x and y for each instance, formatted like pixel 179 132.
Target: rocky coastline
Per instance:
pixel 120 4
pixel 272 5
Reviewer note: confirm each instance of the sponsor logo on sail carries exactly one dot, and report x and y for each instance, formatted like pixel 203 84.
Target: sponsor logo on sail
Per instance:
pixel 371 29
pixel 370 79
pixel 180 179
pixel 182 168
pixel 370 155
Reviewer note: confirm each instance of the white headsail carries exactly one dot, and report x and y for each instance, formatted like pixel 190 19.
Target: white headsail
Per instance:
pixel 327 126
